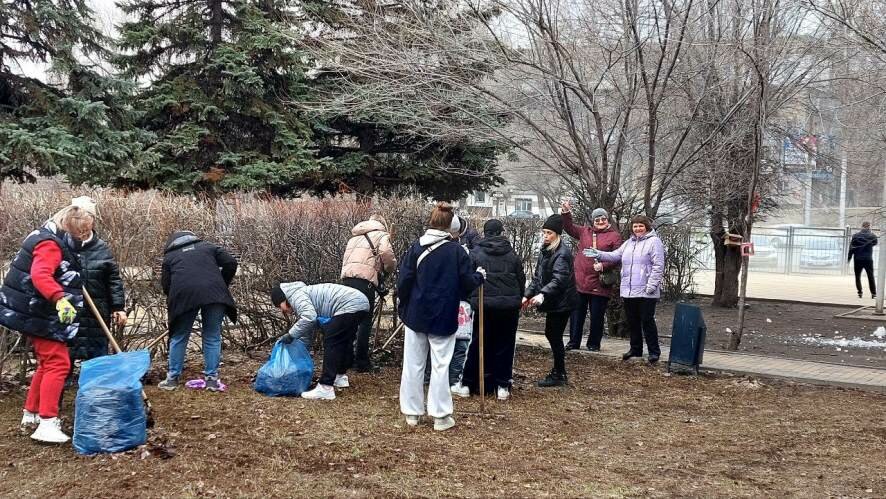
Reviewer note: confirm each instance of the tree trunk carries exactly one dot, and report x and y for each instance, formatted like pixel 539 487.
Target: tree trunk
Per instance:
pixel 728 269
pixel 727 265
pixel 216 22
pixel 617 324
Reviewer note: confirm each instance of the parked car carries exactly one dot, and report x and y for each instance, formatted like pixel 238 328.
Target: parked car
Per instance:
pixel 822 252
pixel 780 242
pixel 523 214
pixel 765 254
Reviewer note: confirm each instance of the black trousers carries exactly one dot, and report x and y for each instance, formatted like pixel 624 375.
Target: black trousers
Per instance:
pixel 597 304
pixel 640 314
pixel 555 325
pixel 499 341
pixel 360 350
pixel 868 267
pixel 338 336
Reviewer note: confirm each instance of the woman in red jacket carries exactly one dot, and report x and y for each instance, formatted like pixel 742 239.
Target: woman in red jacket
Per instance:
pixel 41 297
pixel 592 292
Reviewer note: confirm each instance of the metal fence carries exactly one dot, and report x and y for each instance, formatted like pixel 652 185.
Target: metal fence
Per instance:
pixel 791 250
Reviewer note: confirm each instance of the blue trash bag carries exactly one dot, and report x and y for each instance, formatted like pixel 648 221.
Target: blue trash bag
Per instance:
pixel 287 372
pixel 110 414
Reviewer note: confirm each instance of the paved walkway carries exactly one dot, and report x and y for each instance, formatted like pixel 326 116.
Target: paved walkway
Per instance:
pixel 820 373
pixel 808 288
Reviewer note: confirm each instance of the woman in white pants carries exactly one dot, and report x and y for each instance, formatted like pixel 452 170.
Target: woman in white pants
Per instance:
pixel 434 273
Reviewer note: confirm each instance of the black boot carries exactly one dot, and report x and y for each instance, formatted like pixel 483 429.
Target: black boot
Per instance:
pixel 630 353
pixel 553 379
pixel 653 359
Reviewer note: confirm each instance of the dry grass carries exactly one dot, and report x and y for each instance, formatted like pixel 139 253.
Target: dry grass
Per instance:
pixel 619 430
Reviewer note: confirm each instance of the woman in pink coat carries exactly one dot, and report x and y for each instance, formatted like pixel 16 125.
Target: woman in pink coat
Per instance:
pixel 592 293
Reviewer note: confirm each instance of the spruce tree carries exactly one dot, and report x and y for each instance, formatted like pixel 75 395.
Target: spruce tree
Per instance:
pixel 225 88
pixel 65 115
pixel 369 142
pixel 217 75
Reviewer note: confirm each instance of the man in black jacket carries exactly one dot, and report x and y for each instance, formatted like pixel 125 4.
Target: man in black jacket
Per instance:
pixel 195 278
pixel 862 248
pixel 502 295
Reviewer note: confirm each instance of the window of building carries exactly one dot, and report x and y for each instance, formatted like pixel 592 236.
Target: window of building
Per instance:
pixel 521 204
pixel 479 197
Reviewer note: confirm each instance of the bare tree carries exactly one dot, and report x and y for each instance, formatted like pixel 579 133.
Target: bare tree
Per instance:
pixel 592 90
pixel 737 171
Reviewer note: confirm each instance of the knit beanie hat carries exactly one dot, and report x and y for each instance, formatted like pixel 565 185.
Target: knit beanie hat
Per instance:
pixel 599 212
pixel 554 223
pixel 493 227
pixel 277 295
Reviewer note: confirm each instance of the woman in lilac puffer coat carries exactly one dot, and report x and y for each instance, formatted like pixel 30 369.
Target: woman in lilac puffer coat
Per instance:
pixel 642 267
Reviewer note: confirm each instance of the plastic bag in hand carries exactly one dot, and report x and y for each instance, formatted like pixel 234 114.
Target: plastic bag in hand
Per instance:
pixel 287 372
pixel 465 321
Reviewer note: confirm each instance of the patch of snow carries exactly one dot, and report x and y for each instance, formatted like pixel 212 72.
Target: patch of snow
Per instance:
pixel 880 332
pixel 844 343
pixel 769 320
pixel 728 330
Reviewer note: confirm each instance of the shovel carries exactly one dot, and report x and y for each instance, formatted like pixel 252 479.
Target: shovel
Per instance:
pixel 149 417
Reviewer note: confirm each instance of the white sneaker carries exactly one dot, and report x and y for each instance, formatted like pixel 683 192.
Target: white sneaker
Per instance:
pixel 460 390
pixel 412 420
pixel 503 393
pixel 444 423
pixel 50 431
pixel 341 381
pixel 320 392
pixel 29 419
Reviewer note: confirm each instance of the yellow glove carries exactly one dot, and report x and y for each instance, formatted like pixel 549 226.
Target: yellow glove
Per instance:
pixel 66 311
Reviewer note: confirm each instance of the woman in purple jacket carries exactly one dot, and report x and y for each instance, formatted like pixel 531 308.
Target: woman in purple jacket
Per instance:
pixel 642 266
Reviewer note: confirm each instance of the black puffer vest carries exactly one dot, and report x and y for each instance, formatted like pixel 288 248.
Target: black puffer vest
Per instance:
pixel 23 308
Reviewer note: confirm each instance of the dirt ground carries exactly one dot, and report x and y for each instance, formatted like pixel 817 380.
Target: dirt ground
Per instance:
pixel 779 329
pixel 618 430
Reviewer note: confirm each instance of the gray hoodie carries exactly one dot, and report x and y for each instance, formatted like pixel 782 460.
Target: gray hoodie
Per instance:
pixel 320 300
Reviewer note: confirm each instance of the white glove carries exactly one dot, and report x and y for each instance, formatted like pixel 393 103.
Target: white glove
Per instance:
pixel 538 299
pixel 482 272
pixel 650 290
pixel 591 253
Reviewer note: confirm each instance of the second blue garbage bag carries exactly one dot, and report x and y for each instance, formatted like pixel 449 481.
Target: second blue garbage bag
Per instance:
pixel 110 414
pixel 287 372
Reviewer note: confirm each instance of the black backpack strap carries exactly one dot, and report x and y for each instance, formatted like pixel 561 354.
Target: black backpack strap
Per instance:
pixel 371 246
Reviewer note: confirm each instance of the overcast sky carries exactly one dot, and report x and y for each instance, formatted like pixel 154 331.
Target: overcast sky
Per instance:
pixel 106 15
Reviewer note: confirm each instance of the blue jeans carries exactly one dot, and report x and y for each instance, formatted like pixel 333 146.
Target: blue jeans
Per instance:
pixel 211 316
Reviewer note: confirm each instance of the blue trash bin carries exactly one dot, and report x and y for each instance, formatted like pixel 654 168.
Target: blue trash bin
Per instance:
pixel 687 339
